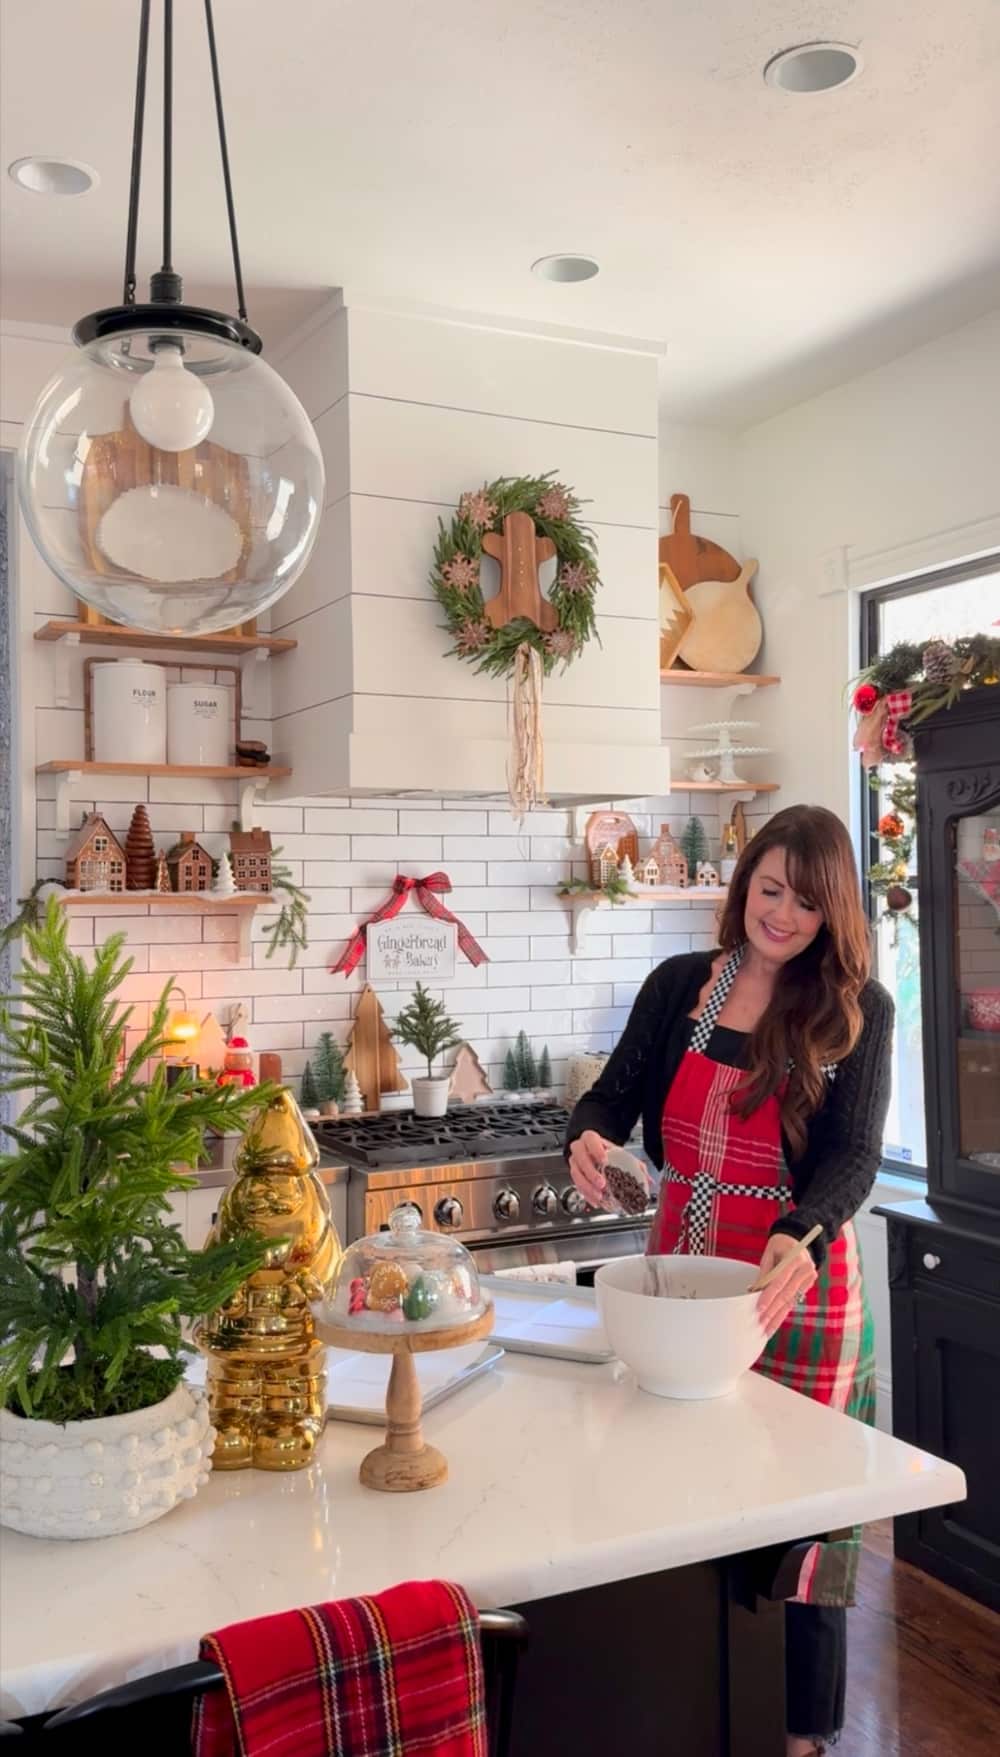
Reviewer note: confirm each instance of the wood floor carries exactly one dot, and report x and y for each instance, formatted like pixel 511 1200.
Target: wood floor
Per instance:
pixel 924 1665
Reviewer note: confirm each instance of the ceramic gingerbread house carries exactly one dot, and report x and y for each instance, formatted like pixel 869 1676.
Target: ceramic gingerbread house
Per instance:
pixel 95 859
pixel 189 866
pixel 250 856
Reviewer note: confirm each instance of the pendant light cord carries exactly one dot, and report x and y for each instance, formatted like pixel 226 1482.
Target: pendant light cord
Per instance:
pixel 224 154
pixel 128 290
pixel 166 266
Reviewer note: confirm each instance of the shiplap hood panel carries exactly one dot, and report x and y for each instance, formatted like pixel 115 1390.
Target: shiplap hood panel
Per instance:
pixel 411 410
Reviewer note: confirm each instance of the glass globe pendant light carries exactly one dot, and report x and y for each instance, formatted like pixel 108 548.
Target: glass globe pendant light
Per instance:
pixel 168 476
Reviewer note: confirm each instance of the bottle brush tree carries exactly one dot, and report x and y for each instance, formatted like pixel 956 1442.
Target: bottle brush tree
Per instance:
pixel 94 1276
pixel 545 1069
pixel 527 1069
pixel 511 1077
pixel 329 1074
pixel 427 1028
pixel 309 1096
pixel 694 845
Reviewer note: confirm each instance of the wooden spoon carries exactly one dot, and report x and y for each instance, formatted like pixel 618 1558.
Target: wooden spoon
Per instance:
pixel 763 1281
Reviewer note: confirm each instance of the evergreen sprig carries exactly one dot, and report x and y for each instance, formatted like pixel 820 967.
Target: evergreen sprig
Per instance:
pixel 575 546
pixel 288 929
pixel 92 1273
pixel 977 662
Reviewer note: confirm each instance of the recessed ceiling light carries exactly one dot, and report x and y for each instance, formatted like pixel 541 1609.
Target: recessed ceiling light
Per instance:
pixel 53 176
pixel 814 67
pixel 565 268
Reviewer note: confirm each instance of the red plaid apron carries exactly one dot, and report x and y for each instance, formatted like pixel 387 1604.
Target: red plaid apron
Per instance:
pixel 366 1677
pixel 724 1185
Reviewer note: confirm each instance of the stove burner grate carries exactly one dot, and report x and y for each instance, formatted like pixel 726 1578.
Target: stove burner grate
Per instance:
pixel 466 1133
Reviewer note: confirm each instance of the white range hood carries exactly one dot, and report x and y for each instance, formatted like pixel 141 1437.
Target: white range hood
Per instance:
pixel 411 410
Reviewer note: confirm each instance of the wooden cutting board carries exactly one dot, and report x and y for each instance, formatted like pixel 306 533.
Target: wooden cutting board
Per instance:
pixel 726 633
pixel 692 558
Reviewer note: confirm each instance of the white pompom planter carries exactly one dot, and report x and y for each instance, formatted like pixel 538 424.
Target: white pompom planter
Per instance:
pixel 99 1478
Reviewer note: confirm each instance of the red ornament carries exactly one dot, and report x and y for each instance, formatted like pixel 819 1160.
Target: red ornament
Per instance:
pixel 890 827
pixel 865 697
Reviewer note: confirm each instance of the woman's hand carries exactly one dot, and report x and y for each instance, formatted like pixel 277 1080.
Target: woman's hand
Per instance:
pixel 586 1166
pixel 794 1280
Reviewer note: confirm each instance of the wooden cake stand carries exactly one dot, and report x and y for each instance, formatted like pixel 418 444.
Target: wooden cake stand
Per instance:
pixel 405 1461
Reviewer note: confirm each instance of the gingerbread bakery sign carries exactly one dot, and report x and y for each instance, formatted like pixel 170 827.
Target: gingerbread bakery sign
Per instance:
pixel 412 947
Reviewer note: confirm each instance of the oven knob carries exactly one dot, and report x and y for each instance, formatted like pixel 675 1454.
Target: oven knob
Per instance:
pixel 574 1201
pixel 507 1205
pixel 449 1211
pixel 545 1201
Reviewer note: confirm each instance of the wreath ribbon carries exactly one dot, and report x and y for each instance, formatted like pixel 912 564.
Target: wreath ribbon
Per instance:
pixel 428 892
pixel 899 703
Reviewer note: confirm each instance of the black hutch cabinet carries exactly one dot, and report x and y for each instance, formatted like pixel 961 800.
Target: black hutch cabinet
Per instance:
pixel 944 1254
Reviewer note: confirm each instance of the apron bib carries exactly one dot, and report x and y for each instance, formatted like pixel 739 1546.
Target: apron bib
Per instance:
pixel 724 1184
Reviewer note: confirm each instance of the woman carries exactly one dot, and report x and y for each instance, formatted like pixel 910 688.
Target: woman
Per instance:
pixel 762 1074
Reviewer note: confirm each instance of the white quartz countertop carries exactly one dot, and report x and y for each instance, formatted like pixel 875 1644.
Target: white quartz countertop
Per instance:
pixel 562 1477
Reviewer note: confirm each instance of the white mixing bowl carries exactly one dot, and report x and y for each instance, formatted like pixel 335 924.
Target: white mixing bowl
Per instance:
pixel 695 1343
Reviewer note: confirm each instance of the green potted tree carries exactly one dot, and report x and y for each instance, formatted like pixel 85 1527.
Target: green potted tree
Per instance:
pixel 99 1433
pixel 426 1026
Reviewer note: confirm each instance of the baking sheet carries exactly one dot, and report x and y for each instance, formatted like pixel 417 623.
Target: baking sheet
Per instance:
pixel 356 1384
pixel 560 1322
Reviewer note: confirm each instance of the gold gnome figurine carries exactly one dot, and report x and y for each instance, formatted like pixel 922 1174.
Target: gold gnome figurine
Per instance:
pixel 266 1371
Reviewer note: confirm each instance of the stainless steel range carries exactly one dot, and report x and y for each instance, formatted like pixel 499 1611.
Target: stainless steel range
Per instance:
pixel 492 1175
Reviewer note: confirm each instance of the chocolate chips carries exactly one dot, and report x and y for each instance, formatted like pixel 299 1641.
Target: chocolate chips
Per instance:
pixel 627 1192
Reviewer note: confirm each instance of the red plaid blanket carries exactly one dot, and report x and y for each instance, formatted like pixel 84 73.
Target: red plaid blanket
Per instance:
pixel 389 1676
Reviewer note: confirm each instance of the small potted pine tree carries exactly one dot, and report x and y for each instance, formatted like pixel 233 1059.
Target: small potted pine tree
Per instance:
pixel 329 1075
pixel 99 1433
pixel 427 1028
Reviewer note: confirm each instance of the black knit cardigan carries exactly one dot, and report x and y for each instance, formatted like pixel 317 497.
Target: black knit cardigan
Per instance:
pixel 835 1171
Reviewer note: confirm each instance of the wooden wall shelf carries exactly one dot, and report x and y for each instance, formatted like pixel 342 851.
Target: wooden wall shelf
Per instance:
pixel 724 786
pixel 718 679
pixel 585 904
pixel 71 770
pixel 241 903
pixel 97 635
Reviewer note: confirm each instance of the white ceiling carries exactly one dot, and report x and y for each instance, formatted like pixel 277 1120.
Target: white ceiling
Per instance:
pixel 778 244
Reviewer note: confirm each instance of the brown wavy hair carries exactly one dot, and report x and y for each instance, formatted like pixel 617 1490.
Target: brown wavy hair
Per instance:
pixel 814 1017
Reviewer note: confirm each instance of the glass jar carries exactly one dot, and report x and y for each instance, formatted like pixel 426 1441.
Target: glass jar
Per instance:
pixel 405 1279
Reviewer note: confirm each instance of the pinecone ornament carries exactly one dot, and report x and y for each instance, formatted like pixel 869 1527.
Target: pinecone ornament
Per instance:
pixel 939 662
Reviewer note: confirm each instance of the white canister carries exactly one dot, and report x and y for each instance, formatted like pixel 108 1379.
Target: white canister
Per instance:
pixel 199 723
pixel 130 712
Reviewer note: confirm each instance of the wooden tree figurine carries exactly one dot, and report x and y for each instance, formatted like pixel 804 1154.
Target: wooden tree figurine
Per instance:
pixel 370 1055
pixel 468 1077
pixel 520 553
pixel 140 853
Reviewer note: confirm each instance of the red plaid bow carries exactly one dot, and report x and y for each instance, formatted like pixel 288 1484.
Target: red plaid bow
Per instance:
pixel 428 892
pixel 898 705
pixel 367 1677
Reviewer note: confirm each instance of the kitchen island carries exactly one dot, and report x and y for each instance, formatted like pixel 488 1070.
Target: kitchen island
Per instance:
pixel 631 1530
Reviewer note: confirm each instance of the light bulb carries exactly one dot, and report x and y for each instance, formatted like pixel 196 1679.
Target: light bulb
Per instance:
pixel 172 408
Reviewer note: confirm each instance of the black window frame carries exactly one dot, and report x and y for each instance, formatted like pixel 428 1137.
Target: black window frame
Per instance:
pixel 872 599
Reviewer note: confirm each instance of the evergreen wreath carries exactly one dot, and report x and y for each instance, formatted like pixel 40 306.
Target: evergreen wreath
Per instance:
pixel 456 584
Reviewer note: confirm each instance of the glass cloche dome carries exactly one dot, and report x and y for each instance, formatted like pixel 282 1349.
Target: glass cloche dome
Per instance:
pixel 172 480
pixel 405 1279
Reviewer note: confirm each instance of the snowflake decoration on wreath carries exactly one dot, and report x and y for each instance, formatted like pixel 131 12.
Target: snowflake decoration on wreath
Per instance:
pixel 455 576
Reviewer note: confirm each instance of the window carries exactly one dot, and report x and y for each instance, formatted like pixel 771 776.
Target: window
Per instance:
pixel 100 844
pixel 956 601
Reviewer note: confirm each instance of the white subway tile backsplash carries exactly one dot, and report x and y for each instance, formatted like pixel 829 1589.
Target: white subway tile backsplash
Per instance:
pixel 444 821
pixel 526 872
pixel 403 851
pixel 353 820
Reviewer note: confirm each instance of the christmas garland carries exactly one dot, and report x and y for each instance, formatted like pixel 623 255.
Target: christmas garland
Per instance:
pixel 456 584
pixel 913 680
pixel 896 831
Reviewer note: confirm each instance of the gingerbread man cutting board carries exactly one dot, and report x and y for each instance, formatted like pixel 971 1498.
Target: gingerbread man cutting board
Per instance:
pixel 690 558
pixel 520 553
